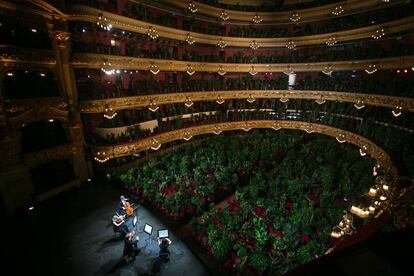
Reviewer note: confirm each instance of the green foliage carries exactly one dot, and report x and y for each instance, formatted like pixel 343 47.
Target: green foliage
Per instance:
pixel 260 230
pixel 259 262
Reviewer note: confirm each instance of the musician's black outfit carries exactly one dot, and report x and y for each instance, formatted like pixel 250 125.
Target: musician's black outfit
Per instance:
pixel 163 257
pixel 130 248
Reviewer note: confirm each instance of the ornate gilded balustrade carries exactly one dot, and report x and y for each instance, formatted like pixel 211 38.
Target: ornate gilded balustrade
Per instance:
pixel 16 57
pixel 349 6
pixel 98 106
pixel 23 111
pixel 132 63
pixel 140 145
pixel 88 14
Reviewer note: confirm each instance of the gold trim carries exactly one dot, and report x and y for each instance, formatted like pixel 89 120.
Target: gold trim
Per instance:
pixel 98 106
pixel 350 6
pixel 88 14
pixel 36 109
pixel 133 63
pixel 140 145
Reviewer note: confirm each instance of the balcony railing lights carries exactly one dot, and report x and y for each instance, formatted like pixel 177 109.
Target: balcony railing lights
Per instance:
pixel 189 39
pixel 153 106
pixel 154 69
pixel 221 71
pixel 220 100
pixel 378 34
pixel 101 157
pixel 276 126
pixel 187 135
pixel 109 113
pixel 331 41
pixel 397 111
pixel 188 102
pixel 338 10
pixel 254 45
pixel 284 99
pixel 363 150
pixel 250 99
pixel 320 100
pixel 252 71
pixel 221 43
pixel 152 33
pixel 224 15
pixel 107 68
pixel 190 70
pixel 295 17
pixel 257 19
pixel 290 45
pixel 345 226
pixel 359 104
pixel 192 7
pixel 372 68
pixel 246 127
pixel 341 138
pixel 155 145
pixel 217 130
pixel 103 22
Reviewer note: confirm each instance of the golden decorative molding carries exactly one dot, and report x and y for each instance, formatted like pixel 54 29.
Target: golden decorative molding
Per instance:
pixel 24 111
pixel 98 106
pixel 37 7
pixel 61 37
pixel 16 57
pixel 140 145
pixel 350 6
pixel 39 157
pixel 88 14
pixel 133 63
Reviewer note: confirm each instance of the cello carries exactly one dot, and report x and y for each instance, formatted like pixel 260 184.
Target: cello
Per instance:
pixel 129 210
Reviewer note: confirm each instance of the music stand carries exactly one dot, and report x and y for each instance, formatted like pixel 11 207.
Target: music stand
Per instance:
pixel 148 229
pixel 163 233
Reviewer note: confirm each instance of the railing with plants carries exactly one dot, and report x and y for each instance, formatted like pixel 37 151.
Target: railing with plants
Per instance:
pixel 327 25
pixel 137 45
pixel 96 87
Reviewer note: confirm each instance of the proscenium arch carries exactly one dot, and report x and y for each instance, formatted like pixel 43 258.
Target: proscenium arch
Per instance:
pixel 98 106
pixel 373 150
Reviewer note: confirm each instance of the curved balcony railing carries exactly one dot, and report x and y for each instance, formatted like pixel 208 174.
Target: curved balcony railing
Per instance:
pixel 99 106
pixel 350 6
pixel 88 14
pixel 90 88
pixel 131 63
pixel 156 141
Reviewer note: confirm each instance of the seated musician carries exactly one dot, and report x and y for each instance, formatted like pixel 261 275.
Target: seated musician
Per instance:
pixel 130 246
pixel 122 202
pixel 119 224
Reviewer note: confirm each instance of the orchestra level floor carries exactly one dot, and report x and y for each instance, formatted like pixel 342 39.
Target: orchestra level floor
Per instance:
pixel 72 235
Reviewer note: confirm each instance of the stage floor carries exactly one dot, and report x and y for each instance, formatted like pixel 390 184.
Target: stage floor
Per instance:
pixel 72 235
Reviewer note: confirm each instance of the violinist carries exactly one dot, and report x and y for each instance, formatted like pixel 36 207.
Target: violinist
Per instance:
pixel 119 224
pixel 130 246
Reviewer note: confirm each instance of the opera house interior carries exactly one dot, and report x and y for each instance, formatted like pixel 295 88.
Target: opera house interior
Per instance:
pixel 207 137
